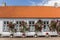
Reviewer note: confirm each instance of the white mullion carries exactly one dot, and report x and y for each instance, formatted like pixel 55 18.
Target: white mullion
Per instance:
pixel 4 27
pixel 18 27
pixel 31 26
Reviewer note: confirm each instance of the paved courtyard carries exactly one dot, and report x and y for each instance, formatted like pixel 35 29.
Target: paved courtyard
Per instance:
pixel 40 38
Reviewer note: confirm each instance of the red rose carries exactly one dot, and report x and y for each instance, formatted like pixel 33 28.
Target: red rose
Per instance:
pixel 47 33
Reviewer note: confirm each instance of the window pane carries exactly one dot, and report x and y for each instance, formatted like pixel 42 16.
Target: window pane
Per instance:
pixel 29 22
pixel 19 22
pixel 44 26
pixel 16 27
pixel 3 28
pixel 44 22
pixel 29 25
pixel 4 22
pixel 16 22
pixel 7 22
pixel 47 22
pixel 32 29
pixel 32 25
pixel 32 22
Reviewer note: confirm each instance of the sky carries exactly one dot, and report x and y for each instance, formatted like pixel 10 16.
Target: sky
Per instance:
pixel 22 2
pixel 52 3
pixel 29 2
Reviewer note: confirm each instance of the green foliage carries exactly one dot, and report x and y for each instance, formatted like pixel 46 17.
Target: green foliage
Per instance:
pixel 11 26
pixel 24 25
pixel 38 25
pixel 53 25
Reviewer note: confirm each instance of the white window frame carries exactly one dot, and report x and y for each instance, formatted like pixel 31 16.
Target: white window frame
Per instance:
pixel 5 27
pixel 31 26
pixel 47 25
pixel 18 27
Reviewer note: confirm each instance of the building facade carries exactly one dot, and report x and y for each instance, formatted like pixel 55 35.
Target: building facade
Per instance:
pixel 29 14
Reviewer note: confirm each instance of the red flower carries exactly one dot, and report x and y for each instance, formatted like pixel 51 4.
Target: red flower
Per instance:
pixel 47 33
pixel 23 34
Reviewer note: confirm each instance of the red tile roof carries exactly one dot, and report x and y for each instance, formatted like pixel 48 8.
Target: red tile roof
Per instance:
pixel 29 12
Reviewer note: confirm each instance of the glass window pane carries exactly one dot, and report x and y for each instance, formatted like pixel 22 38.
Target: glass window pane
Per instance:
pixel 29 25
pixel 47 22
pixel 44 26
pixel 4 22
pixel 32 29
pixel 44 22
pixel 17 27
pixel 3 28
pixel 29 22
pixel 32 25
pixel 32 22
pixel 16 22
pixel 7 22
pixel 19 22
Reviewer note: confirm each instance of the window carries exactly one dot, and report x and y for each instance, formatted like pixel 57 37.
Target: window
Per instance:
pixel 46 25
pixel 5 27
pixel 44 22
pixel 4 22
pixel 18 23
pixel 47 22
pixel 31 25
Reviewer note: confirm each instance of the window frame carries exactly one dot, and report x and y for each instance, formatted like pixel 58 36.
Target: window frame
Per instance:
pixel 5 27
pixel 31 26
pixel 18 27
pixel 46 24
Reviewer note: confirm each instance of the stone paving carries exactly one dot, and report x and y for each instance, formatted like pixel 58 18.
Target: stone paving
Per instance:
pixel 39 38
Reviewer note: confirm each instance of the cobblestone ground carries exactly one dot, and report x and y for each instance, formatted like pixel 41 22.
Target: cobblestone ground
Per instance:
pixel 40 38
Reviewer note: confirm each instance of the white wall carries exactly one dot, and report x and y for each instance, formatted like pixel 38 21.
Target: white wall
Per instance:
pixel 1 21
pixel 1 26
